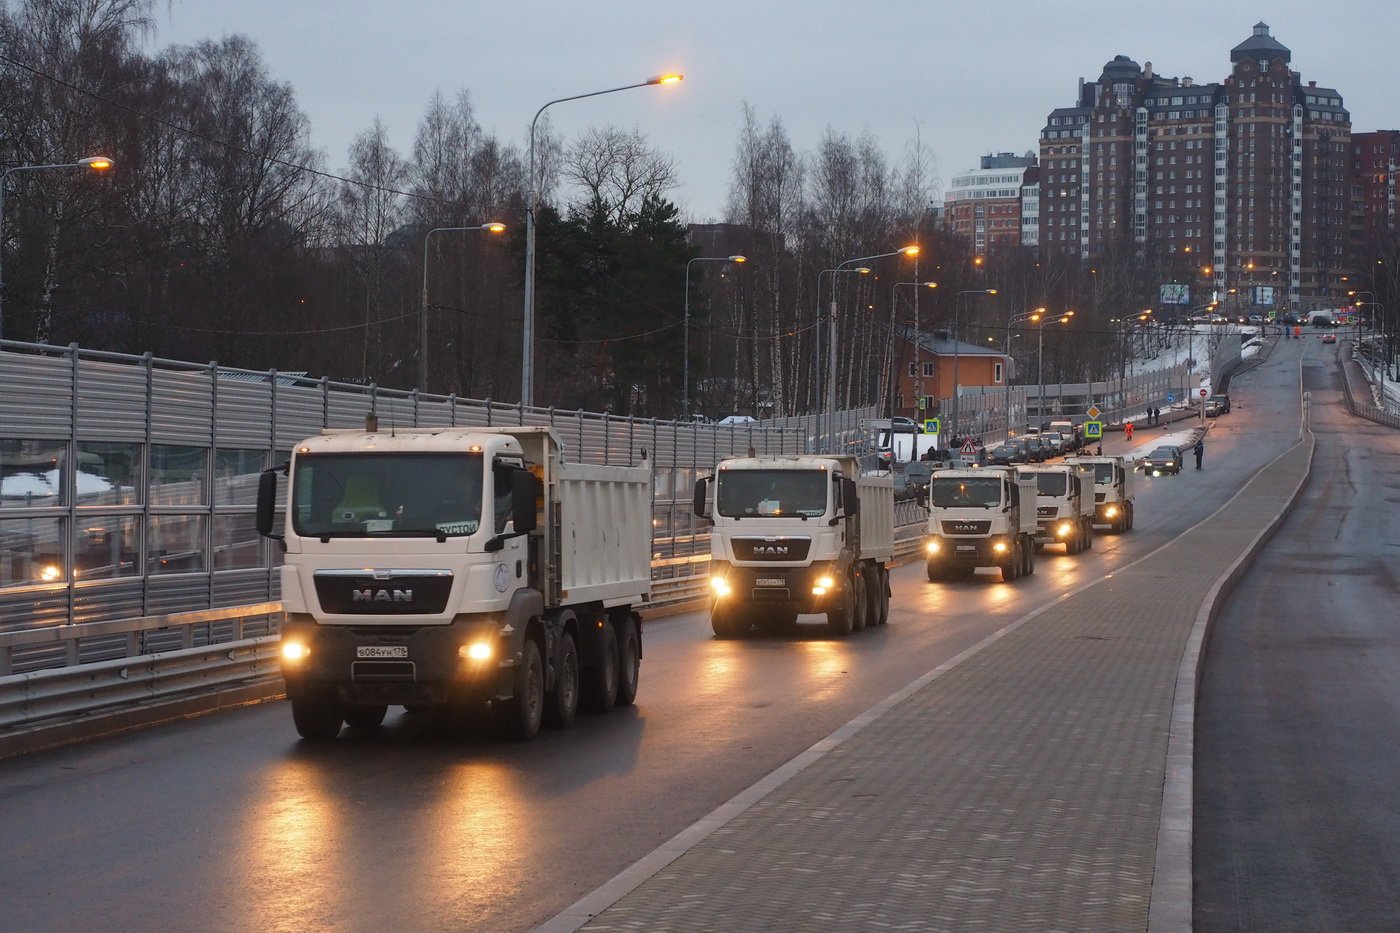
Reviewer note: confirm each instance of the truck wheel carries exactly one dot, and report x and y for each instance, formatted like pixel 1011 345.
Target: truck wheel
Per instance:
pixel 860 602
pixel 936 572
pixel 883 595
pixel 629 668
pixel 1130 516
pixel 562 706
pixel 838 620
pixel 317 717
pixel 1011 567
pixel 728 621
pixel 1029 548
pixel 872 597
pixel 520 717
pixel 1088 535
pixel 365 717
pixel 601 678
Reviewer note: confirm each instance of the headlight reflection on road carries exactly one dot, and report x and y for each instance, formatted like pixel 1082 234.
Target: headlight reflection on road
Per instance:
pixel 293 851
pixel 827 662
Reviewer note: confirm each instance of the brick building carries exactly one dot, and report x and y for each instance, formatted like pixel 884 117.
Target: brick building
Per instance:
pixel 1250 177
pixel 985 205
pixel 1375 163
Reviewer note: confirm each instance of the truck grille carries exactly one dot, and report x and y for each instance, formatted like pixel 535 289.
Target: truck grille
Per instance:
pixel 1100 496
pixel 771 549
pixel 1046 511
pixel 392 671
pixel 966 527
pixel 383 592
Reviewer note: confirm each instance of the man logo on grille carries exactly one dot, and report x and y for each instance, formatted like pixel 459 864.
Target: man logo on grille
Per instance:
pixel 381 596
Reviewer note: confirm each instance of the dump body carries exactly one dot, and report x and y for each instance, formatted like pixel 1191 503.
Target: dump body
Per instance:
pixel 419 563
pixel 797 535
pixel 1113 490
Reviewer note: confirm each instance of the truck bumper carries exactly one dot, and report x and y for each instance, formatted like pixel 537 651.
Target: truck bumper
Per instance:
pixel 1055 530
pixel 795 589
pixel 951 551
pixel 1107 513
pixel 392 664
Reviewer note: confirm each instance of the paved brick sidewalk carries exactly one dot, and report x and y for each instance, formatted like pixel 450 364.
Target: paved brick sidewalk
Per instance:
pixel 1019 786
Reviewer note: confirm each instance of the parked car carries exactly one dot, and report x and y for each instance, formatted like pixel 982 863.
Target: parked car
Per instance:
pixel 916 477
pixel 1222 399
pixel 1164 459
pixel 1212 408
pixel 1036 449
pixel 1329 338
pixel 1013 451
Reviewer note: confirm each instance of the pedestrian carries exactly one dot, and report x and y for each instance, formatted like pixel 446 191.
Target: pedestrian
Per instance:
pixel 1200 450
pixel 1128 431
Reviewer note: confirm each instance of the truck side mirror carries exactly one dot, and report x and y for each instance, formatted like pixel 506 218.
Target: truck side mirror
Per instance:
pixel 524 490
pixel 702 487
pixel 848 496
pixel 267 501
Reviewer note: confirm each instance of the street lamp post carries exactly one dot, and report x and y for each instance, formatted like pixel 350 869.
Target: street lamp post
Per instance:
pixel 1011 321
pixel 918 368
pixel 953 436
pixel 685 366
pixel 423 312
pixel 831 349
pixel 527 357
pixel 817 359
pixel 92 163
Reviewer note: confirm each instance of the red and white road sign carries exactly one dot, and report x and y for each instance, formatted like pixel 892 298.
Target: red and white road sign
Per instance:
pixel 1205 392
pixel 967 448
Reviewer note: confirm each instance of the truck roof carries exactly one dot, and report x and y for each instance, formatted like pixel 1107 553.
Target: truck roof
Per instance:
pixel 422 440
pixel 842 462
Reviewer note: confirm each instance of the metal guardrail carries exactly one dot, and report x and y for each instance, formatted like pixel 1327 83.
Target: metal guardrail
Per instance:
pixel 46 677
pixel 1361 409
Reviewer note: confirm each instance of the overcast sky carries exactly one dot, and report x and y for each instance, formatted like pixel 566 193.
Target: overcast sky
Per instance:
pixel 967 79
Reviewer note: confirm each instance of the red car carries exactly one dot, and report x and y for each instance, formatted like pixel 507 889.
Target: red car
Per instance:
pixel 1329 338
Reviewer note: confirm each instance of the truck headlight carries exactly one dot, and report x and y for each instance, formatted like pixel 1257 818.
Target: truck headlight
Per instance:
pixel 999 547
pixel 1111 511
pixel 475 651
pixel 932 547
pixel 720 586
pixel 1064 529
pixel 295 651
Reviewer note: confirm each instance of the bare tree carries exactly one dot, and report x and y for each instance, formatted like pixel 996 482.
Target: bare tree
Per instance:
pixel 765 198
pixel 371 208
pixel 619 170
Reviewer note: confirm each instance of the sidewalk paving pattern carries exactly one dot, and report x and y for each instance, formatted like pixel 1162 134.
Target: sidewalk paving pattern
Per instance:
pixel 1018 786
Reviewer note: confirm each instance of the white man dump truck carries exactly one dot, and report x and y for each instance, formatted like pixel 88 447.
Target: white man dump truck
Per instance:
pixel 794 536
pixel 1113 491
pixel 457 568
pixel 980 517
pixel 1064 505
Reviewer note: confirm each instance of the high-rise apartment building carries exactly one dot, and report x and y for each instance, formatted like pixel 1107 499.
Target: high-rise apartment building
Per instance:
pixel 985 205
pixel 1245 182
pixel 1375 164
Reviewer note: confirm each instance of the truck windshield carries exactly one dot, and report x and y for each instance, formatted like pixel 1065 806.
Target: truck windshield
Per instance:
pixel 962 492
pixel 1050 484
pixel 750 493
pixel 402 495
pixel 1103 474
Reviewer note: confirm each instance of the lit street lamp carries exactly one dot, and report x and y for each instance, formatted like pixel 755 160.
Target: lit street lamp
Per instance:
pixel 423 312
pixel 918 348
pixel 831 350
pixel 953 436
pixel 527 359
pixel 92 163
pixel 685 380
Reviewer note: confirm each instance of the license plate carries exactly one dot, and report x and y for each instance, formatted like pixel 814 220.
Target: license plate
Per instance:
pixel 381 651
pixel 967 547
pixel 770 581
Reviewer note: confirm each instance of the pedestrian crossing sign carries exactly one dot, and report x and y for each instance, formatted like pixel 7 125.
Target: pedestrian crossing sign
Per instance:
pixel 1093 429
pixel 933 426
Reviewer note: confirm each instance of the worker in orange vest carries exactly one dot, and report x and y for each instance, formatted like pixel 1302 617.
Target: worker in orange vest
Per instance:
pixel 1128 431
